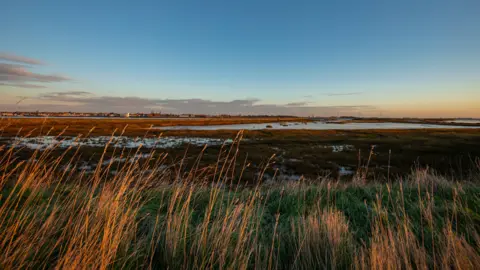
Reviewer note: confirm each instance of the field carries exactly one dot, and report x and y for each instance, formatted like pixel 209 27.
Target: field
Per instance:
pixel 292 153
pixel 105 126
pixel 376 199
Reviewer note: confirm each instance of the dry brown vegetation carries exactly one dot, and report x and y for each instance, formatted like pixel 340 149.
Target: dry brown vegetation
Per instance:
pixel 105 126
pixel 143 127
pixel 147 216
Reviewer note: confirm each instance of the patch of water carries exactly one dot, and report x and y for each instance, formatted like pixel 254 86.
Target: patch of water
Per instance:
pixel 315 126
pixel 132 159
pixel 464 121
pixel 85 167
pixel 342 148
pixel 338 147
pixel 49 142
pixel 345 171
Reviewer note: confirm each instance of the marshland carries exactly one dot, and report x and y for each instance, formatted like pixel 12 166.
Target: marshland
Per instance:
pixel 117 195
pixel 240 135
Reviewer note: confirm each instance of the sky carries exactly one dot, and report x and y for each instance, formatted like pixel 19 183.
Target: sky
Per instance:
pixel 325 58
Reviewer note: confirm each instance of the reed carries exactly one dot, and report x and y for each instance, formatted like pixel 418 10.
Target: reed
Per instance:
pixel 148 215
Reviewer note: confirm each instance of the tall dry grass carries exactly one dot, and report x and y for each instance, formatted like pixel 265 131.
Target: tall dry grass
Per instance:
pixel 146 216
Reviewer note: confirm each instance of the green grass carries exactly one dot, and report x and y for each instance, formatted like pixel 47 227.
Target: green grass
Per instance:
pixel 147 216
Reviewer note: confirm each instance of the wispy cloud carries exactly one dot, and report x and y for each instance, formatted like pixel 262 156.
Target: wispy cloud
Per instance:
pixel 301 103
pixel 65 95
pixel 343 94
pixel 19 59
pixel 17 74
pixel 22 85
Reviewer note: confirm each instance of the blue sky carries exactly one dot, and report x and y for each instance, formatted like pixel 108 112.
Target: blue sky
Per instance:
pixel 399 58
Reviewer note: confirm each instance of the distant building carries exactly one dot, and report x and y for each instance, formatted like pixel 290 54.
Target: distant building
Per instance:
pixel 127 115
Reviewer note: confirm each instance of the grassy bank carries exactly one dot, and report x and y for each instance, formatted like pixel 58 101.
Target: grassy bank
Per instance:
pixel 149 216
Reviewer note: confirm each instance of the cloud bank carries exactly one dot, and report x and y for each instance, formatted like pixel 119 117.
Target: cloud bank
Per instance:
pixel 18 74
pixel 82 101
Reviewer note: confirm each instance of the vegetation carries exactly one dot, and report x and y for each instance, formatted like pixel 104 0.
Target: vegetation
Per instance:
pixel 307 153
pixel 148 215
pixel 105 126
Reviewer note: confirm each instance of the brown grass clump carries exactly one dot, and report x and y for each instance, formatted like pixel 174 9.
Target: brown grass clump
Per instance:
pixel 324 239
